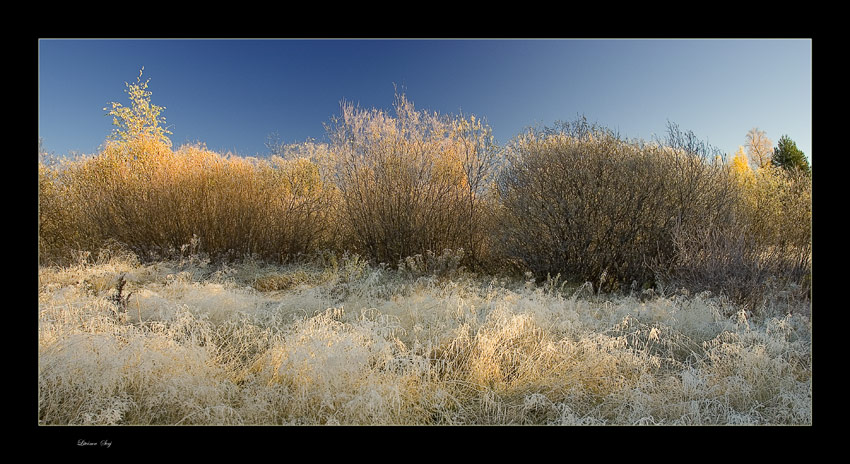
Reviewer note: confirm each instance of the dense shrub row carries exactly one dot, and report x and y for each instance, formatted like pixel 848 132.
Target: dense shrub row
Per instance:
pixel 575 200
pixel 578 200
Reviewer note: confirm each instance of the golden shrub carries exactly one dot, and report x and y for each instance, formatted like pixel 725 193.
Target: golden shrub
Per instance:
pixel 410 183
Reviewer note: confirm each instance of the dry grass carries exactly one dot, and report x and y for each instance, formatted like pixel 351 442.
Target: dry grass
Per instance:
pixel 336 341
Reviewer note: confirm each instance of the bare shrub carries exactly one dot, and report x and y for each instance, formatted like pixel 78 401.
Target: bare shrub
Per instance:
pixel 579 201
pixel 762 253
pixel 410 183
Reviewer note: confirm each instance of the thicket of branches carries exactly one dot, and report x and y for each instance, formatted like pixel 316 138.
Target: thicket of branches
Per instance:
pixel 763 250
pixel 580 201
pixel 229 206
pixel 410 183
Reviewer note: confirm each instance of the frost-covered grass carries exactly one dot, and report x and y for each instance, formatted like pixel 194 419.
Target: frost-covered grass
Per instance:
pixel 341 342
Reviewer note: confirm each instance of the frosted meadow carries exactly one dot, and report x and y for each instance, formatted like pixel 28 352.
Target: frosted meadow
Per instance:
pixel 411 272
pixel 349 343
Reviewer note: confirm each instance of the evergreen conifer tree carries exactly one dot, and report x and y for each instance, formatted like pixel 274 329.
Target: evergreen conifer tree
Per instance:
pixel 787 156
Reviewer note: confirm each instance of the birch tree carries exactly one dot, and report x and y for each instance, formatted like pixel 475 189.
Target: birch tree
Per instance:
pixel 759 148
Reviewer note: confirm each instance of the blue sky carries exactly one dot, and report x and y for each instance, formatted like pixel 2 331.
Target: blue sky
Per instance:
pixel 232 94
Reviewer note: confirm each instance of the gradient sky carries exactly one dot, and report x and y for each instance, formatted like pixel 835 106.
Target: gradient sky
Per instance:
pixel 232 94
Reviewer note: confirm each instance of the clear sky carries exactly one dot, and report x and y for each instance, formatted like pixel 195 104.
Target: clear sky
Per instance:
pixel 232 94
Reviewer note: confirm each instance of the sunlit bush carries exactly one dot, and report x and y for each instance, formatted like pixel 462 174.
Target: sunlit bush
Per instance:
pixel 410 183
pixel 229 205
pixel 59 234
pixel 153 200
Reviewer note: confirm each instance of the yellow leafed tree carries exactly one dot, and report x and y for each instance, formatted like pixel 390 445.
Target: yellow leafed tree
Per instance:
pixel 139 131
pixel 740 164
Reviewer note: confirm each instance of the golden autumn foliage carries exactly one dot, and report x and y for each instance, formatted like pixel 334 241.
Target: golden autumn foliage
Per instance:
pixel 139 128
pixel 140 193
pixel 235 206
pixel 740 165
pixel 776 203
